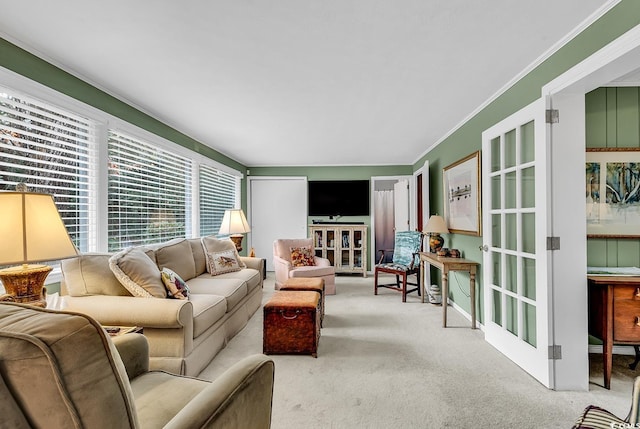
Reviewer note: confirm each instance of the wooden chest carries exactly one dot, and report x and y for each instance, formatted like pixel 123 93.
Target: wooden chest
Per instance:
pixel 309 284
pixel 291 323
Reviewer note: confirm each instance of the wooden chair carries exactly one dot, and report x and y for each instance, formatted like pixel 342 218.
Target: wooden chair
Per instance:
pixel 406 262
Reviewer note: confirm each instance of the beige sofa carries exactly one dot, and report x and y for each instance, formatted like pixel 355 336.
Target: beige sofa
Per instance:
pixel 184 335
pixel 61 370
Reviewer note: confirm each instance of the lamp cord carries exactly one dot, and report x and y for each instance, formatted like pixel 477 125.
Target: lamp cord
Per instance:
pixel 460 287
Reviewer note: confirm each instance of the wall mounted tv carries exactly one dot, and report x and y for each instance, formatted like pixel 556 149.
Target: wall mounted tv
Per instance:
pixel 338 198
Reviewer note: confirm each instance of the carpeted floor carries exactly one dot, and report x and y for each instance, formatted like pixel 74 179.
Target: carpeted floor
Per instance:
pixel 387 364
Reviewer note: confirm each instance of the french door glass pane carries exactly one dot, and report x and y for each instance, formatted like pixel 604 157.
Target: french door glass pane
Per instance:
pixel 527 145
pixel 529 232
pixel 510 232
pixel 529 278
pixel 510 190
pixel 495 192
pixel 497 268
pixel 528 188
pixel 511 266
pixel 510 149
pixel 529 333
pixel 496 228
pixel 495 154
pixel 512 315
pixel 497 308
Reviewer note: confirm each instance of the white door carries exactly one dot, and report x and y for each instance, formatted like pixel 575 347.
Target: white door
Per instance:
pixel 515 264
pixel 401 205
pixel 277 209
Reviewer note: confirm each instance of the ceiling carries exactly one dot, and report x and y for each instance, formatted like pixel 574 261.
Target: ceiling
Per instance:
pixel 299 82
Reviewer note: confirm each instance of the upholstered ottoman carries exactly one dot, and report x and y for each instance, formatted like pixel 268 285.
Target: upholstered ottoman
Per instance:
pixel 291 323
pixel 314 284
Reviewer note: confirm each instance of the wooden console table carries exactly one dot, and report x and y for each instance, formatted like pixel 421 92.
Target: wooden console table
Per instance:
pixel 614 315
pixel 451 264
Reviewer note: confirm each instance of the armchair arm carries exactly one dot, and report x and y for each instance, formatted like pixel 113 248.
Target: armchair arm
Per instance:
pixel 321 262
pixel 134 352
pixel 240 398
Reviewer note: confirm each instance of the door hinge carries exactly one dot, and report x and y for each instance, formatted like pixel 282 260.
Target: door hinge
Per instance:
pixel 553 243
pixel 555 352
pixel 552 116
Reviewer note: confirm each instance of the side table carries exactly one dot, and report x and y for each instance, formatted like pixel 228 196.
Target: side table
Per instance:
pixel 445 265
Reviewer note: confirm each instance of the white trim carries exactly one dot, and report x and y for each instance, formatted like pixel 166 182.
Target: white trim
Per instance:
pixel 542 58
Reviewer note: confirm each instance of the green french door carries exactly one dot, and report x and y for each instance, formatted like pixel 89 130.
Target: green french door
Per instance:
pixel 514 184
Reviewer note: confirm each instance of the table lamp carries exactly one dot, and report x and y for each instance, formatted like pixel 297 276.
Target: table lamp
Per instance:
pixel 434 227
pixel 235 223
pixel 31 231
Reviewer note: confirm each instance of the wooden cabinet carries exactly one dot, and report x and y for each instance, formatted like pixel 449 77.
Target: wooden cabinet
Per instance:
pixel 344 245
pixel 614 315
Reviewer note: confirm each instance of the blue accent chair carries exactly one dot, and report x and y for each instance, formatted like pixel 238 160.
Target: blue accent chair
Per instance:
pixel 406 262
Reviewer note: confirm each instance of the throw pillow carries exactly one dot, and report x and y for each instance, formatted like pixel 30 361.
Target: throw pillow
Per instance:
pixel 178 257
pixel 176 287
pixel 302 257
pixel 223 262
pixel 213 245
pixel 137 273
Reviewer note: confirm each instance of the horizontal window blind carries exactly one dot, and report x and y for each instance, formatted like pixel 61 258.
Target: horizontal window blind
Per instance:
pixel 149 189
pixel 52 151
pixel 218 192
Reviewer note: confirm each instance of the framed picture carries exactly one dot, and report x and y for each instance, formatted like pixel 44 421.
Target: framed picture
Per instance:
pixel 461 181
pixel 613 192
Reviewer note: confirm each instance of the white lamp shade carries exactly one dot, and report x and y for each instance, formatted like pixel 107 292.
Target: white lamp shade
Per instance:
pixel 436 225
pixel 234 222
pixel 31 229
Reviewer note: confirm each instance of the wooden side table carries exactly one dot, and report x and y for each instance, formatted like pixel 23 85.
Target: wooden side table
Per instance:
pixel 446 265
pixel 115 331
pixel 614 315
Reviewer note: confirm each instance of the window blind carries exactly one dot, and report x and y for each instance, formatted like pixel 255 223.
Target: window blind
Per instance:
pixel 52 151
pixel 149 189
pixel 218 192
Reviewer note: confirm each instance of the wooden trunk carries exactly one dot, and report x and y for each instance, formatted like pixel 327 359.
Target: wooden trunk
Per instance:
pixel 291 323
pixel 308 284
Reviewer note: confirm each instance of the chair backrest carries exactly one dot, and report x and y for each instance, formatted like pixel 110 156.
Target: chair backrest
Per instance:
pixel 406 248
pixel 282 247
pixel 60 369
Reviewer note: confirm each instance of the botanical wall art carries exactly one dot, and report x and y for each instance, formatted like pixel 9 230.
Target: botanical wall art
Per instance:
pixel 613 192
pixel 462 195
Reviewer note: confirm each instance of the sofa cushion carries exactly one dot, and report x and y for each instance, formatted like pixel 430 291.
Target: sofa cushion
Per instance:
pixel 137 273
pixel 199 258
pixel 176 287
pixel 233 290
pixel 213 245
pixel 249 275
pixel 223 262
pixel 89 274
pixel 178 257
pixel 207 310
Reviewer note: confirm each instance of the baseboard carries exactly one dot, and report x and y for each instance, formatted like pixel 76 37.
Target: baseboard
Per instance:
pixel 617 350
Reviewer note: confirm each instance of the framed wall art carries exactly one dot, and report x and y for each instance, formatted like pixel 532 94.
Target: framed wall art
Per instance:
pixel 613 192
pixel 461 181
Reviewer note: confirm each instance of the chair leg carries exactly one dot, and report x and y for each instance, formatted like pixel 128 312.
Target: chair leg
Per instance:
pixel 375 282
pixel 404 287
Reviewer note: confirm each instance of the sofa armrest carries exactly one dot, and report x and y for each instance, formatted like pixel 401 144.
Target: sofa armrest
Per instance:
pixel 133 311
pixel 240 398
pixel 255 263
pixel 134 352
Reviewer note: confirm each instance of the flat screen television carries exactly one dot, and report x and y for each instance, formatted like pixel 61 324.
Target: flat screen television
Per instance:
pixel 338 198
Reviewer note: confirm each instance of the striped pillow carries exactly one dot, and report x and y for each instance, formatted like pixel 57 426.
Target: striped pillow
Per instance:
pixel 598 418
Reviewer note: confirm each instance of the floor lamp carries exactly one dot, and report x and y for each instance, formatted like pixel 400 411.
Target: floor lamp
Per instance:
pixel 31 231
pixel 235 223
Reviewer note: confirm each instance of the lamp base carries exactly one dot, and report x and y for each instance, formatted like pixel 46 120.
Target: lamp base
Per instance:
pixel 25 284
pixel 237 240
pixel 435 242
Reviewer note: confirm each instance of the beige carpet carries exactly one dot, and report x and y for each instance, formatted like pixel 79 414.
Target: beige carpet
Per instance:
pixel 387 364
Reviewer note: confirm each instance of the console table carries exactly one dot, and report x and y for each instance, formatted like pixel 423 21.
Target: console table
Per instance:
pixel 614 315
pixel 446 265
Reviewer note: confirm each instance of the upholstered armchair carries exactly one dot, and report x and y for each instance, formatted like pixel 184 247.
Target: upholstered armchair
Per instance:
pixel 286 268
pixel 61 370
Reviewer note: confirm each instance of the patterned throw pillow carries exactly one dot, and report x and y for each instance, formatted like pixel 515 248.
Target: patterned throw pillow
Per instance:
pixel 302 257
pixel 176 287
pixel 222 262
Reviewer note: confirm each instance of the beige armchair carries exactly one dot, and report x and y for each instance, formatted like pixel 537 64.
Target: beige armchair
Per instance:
pixel 285 269
pixel 60 369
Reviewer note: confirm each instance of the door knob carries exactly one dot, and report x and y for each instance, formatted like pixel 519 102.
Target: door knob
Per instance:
pixel 484 248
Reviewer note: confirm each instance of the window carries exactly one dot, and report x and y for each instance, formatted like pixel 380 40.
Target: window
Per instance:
pixel 51 151
pixel 149 193
pixel 114 184
pixel 218 192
